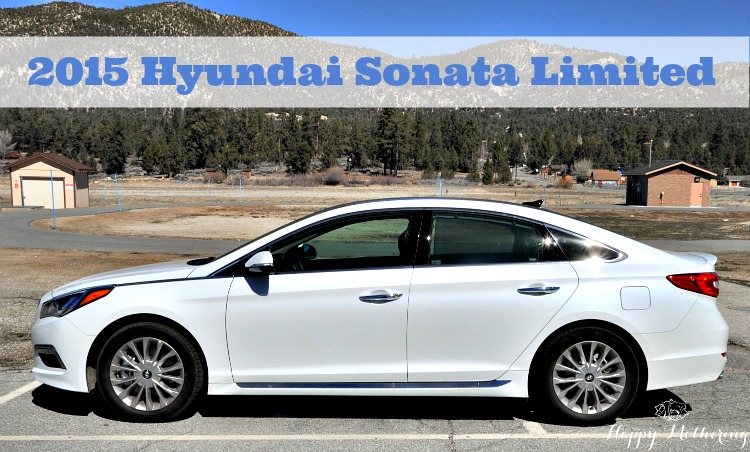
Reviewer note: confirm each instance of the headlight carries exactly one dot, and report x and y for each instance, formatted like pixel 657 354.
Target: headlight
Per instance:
pixel 60 306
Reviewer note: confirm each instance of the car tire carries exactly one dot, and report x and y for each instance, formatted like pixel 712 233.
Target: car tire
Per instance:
pixel 587 376
pixel 149 372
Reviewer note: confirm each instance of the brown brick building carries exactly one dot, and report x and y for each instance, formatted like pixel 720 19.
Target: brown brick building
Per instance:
pixel 669 183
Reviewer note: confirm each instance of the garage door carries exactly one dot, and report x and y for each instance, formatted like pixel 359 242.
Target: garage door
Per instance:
pixel 38 192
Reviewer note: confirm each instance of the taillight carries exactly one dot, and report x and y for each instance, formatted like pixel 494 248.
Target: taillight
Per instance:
pixel 703 283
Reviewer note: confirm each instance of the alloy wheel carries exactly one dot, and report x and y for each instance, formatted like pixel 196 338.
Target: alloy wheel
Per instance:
pixel 589 377
pixel 146 374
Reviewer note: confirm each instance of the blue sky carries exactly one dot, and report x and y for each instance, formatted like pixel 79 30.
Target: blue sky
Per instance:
pixel 482 17
pixel 494 18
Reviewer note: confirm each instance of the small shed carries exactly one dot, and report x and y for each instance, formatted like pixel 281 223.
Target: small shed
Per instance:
pixel 34 180
pixel 605 177
pixel 738 181
pixel 669 183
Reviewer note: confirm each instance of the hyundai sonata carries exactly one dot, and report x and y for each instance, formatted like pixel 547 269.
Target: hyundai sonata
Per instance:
pixel 428 297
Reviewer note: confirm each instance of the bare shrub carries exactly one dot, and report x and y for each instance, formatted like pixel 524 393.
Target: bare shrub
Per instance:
pixel 379 179
pixel 297 180
pixel 582 170
pixel 235 179
pixel 564 182
pixel 429 173
pixel 215 178
pixel 334 176
pixel 358 180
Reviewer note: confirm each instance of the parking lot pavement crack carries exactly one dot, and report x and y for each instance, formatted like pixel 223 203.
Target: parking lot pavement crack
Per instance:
pixel 451 436
pixel 159 443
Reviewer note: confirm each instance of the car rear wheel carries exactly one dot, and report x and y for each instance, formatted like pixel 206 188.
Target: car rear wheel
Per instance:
pixel 588 375
pixel 149 372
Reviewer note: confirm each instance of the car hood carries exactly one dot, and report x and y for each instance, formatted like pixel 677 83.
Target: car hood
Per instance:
pixel 141 274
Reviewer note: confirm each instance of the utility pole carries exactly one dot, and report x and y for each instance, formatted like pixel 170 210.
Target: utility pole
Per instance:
pixel 650 144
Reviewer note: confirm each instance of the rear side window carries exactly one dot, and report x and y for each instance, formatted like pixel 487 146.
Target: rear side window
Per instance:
pixel 469 239
pixel 579 248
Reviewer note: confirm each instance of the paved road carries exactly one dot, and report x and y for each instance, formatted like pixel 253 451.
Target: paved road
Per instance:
pixel 16 232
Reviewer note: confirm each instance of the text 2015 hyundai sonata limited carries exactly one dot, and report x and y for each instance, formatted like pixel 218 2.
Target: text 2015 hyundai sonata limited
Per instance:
pixel 428 297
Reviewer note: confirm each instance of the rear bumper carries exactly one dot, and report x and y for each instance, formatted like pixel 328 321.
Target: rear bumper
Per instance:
pixel 694 352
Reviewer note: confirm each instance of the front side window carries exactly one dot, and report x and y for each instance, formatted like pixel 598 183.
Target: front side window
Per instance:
pixel 473 239
pixel 365 243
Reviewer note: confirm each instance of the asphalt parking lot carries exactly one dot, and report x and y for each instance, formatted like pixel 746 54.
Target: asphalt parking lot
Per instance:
pixel 716 417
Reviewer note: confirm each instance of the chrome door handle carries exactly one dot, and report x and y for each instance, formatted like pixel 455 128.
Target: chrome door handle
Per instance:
pixel 383 297
pixel 536 291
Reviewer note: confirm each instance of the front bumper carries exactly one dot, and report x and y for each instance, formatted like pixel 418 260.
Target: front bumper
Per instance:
pixel 72 347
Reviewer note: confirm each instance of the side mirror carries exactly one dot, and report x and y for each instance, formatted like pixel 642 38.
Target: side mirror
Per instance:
pixel 261 262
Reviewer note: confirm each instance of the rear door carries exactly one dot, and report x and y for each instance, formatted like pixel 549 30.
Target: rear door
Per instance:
pixel 487 286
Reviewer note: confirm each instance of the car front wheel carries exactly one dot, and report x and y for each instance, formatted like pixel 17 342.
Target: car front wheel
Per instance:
pixel 589 376
pixel 149 372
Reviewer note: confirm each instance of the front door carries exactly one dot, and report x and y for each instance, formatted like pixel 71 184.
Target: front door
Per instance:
pixel 696 194
pixel 335 311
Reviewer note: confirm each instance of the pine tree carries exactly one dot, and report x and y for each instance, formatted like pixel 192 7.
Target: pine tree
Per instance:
pixel 488 172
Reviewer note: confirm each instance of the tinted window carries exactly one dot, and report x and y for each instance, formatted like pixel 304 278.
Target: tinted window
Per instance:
pixel 367 243
pixel 578 248
pixel 477 239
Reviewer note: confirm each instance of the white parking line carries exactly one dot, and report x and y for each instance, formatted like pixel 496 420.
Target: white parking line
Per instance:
pixel 330 437
pixel 183 438
pixel 535 428
pixel 20 391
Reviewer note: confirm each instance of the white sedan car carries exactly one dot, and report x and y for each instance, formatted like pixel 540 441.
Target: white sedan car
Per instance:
pixel 427 297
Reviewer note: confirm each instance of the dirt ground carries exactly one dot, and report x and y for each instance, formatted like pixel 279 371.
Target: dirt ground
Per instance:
pixel 213 222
